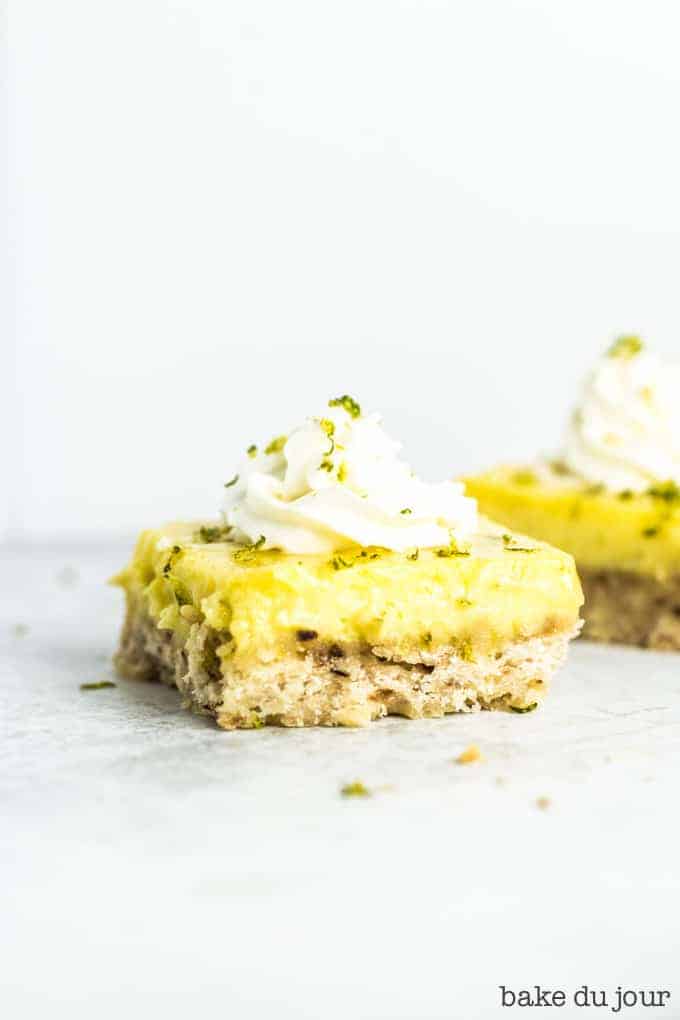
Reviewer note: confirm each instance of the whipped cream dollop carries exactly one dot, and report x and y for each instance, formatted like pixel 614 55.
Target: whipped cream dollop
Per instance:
pixel 338 481
pixel 625 433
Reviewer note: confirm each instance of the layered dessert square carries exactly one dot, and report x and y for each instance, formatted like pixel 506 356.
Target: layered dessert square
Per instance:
pixel 337 588
pixel 611 497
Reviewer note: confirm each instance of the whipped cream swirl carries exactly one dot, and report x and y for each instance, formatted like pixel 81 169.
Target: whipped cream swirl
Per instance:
pixel 625 434
pixel 338 481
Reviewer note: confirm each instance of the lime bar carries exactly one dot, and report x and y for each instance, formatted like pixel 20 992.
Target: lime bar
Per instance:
pixel 255 636
pixel 626 545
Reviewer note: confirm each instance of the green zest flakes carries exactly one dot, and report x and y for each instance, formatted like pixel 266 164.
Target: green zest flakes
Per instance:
pixel 406 510
pixel 246 552
pixel 625 347
pixel 180 594
pixel 452 549
pixel 326 465
pixel 233 481
pixel 650 532
pixel 341 562
pixel 208 534
pixel 342 472
pixel 666 491
pixel 252 450
pixel 626 494
pixel 348 404
pixel 509 543
pixel 99 685
pixel 355 789
pixel 413 556
pixel 523 711
pixel 277 444
pixel 169 563
pixel 329 428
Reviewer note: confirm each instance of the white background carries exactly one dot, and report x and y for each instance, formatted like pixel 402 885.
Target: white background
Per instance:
pixel 223 213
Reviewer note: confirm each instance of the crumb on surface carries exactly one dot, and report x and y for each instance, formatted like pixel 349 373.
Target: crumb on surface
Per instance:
pixel 97 685
pixel 501 781
pixel 469 755
pixel 20 629
pixel 355 789
pixel 543 803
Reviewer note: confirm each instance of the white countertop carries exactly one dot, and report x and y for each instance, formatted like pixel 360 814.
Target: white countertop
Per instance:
pixel 153 864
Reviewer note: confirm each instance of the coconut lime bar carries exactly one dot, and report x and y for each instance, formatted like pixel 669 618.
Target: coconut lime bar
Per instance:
pixel 256 637
pixel 338 588
pixel 611 498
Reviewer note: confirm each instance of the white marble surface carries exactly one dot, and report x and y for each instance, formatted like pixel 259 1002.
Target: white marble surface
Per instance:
pixel 153 864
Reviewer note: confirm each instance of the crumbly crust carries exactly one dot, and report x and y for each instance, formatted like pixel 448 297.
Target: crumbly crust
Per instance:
pixel 327 685
pixel 632 609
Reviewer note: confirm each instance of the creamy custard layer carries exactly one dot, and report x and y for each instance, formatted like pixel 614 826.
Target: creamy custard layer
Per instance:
pixel 267 603
pixel 636 532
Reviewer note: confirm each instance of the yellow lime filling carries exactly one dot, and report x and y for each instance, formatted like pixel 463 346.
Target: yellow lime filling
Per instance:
pixel 638 532
pixel 270 603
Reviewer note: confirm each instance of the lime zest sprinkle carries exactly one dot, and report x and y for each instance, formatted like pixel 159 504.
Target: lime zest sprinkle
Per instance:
pixel 452 549
pixel 348 404
pixel 355 789
pixel 209 533
pixel 276 445
pixel 233 481
pixel 625 347
pixel 245 553
pixel 668 491
pixel 252 450
pixel 339 563
pixel 174 553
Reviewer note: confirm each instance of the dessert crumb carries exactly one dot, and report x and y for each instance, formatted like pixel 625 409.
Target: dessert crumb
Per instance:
pixel 543 803
pixel 470 754
pixel 97 685
pixel 20 629
pixel 501 781
pixel 355 789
